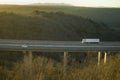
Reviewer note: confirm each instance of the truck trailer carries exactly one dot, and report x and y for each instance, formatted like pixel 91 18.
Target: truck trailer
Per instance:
pixel 91 41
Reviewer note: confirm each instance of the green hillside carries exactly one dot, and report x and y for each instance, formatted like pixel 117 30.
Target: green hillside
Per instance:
pixel 42 25
pixel 106 16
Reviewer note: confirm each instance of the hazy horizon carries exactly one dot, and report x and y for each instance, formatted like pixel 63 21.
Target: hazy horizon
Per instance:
pixel 85 3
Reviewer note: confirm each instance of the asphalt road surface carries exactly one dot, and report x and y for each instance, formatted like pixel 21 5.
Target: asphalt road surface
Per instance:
pixel 58 46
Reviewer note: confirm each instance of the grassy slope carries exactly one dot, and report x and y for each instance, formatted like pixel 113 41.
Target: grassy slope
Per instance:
pixel 52 26
pixel 109 16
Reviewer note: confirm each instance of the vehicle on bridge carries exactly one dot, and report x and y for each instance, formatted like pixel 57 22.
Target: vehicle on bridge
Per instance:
pixel 24 46
pixel 93 41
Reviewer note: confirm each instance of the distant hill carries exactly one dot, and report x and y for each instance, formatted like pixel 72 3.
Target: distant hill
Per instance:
pixel 107 16
pixel 42 25
pixel 51 4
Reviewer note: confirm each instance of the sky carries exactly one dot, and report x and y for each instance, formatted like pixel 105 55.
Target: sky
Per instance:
pixel 87 3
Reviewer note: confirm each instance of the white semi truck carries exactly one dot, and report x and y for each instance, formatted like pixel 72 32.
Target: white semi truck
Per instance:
pixel 90 40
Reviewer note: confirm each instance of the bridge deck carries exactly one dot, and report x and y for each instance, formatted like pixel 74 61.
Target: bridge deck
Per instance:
pixel 58 46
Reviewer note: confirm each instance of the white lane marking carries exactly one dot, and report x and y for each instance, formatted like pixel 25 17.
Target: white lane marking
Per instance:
pixel 14 45
pixel 9 45
pixel 64 46
pixel 67 46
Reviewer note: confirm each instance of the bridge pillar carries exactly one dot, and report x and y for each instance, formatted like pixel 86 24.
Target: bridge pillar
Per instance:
pixel 105 57
pixel 27 65
pixel 65 61
pixel 99 56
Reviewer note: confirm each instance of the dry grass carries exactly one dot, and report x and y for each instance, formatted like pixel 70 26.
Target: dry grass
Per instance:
pixel 43 68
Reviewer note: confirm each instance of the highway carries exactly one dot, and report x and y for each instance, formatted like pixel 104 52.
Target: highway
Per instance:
pixel 57 46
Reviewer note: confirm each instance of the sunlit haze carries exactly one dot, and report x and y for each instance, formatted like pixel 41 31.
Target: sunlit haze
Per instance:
pixel 87 3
